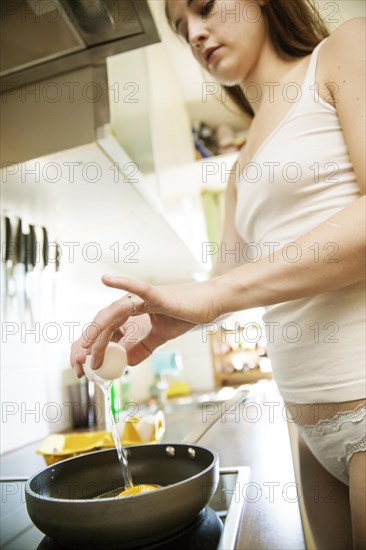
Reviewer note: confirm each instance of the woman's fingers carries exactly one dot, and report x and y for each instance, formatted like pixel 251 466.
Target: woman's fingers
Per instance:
pixel 123 335
pixel 118 335
pixel 99 347
pixel 107 320
pixel 117 313
pixel 79 362
pixel 136 332
pixel 134 286
pixel 137 353
pixel 77 358
pixel 99 333
pixel 106 326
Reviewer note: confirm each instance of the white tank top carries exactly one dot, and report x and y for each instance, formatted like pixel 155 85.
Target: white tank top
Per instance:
pixel 301 176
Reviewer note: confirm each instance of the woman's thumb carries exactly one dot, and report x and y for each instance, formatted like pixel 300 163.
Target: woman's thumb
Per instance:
pixel 129 285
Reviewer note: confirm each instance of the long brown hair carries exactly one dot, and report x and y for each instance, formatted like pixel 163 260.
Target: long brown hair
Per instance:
pixel 295 29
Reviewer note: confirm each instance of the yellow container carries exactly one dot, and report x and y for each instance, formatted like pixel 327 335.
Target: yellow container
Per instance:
pixel 178 389
pixel 57 447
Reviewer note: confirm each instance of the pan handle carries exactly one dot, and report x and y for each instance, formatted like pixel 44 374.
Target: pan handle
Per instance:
pixel 222 408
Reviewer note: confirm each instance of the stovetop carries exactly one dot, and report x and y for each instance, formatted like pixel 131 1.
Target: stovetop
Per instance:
pixel 221 519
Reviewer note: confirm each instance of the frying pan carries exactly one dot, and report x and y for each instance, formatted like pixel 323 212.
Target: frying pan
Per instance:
pixel 62 500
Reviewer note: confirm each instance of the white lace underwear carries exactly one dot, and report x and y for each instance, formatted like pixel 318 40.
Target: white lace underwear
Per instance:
pixel 333 442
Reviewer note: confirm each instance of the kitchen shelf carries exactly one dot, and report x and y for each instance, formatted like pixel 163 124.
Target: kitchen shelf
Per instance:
pixel 227 363
pixel 245 377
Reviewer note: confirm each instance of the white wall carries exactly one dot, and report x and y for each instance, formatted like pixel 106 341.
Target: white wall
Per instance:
pixel 338 11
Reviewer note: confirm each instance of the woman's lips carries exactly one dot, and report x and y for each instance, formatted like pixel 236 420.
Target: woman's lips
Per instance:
pixel 211 54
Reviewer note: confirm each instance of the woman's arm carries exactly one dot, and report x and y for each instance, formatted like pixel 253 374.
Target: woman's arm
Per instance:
pixel 329 257
pixel 343 65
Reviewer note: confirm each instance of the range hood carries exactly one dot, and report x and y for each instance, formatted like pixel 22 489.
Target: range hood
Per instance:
pixel 54 85
pixel 44 38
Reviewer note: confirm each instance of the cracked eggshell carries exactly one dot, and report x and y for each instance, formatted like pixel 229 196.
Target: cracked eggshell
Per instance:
pixel 114 364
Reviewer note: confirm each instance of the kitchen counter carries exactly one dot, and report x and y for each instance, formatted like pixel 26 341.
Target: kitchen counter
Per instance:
pixel 253 434
pixel 260 439
pixel 256 435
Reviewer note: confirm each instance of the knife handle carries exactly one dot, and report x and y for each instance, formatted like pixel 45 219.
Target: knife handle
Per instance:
pixel 8 241
pixel 45 247
pixel 19 245
pixel 31 248
pixel 58 257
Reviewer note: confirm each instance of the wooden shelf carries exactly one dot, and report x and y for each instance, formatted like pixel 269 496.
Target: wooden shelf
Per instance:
pixel 227 364
pixel 244 377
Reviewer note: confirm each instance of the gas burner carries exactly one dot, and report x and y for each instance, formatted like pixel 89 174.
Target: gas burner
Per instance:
pixel 204 533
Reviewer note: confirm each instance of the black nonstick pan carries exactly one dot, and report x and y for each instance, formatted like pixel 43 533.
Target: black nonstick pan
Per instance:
pixel 64 501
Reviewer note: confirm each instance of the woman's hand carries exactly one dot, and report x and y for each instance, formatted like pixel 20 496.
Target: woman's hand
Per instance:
pixel 142 333
pixel 192 302
pixel 78 356
pixel 149 318
pixel 145 333
pixel 140 336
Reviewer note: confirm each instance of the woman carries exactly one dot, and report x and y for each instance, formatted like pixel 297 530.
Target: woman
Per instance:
pixel 299 206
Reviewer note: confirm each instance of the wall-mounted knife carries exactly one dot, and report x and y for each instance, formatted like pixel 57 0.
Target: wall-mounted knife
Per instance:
pixel 19 270
pixel 30 240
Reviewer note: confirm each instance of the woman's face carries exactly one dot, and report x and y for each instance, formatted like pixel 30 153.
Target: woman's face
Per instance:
pixel 225 36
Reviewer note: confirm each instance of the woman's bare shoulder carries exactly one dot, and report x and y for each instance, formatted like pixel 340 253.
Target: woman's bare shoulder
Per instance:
pixel 346 42
pixel 341 59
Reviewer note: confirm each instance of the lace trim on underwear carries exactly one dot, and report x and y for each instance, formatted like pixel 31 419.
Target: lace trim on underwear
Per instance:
pixel 356 446
pixel 334 424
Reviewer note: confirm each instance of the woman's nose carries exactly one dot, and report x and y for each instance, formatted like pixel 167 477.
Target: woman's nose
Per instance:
pixel 197 34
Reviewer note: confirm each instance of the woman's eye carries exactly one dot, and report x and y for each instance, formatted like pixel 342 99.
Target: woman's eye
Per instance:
pixel 207 7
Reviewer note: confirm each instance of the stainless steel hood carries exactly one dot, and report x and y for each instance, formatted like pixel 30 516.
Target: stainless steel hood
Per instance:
pixel 44 38
pixel 54 83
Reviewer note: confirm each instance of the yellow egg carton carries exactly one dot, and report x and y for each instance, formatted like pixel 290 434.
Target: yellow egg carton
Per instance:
pixel 57 447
